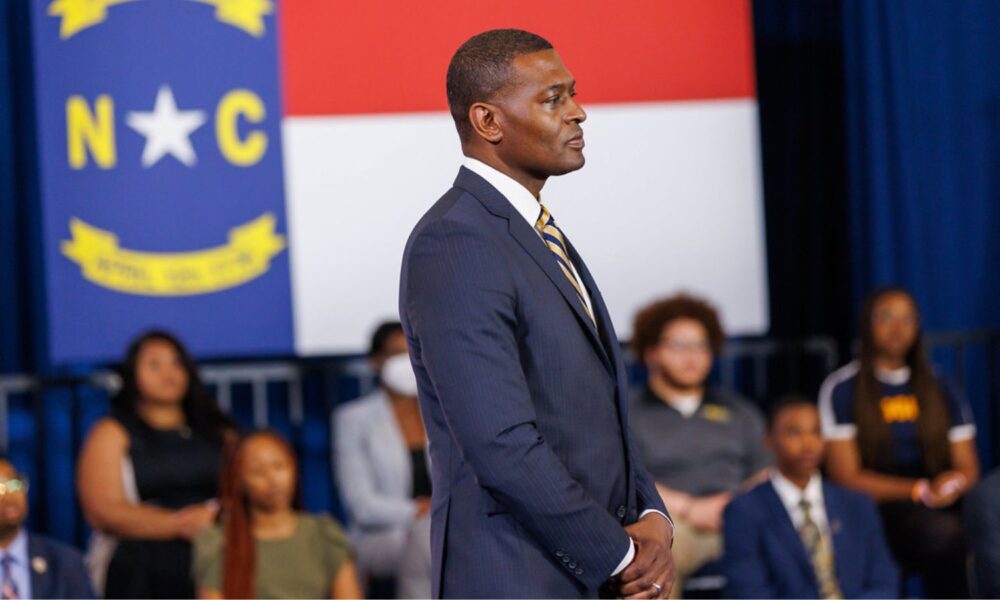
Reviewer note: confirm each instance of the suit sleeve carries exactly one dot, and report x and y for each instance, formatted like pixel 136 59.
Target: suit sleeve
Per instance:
pixel 747 575
pixel 645 486
pixel 881 573
pixel 982 527
pixel 76 577
pixel 459 304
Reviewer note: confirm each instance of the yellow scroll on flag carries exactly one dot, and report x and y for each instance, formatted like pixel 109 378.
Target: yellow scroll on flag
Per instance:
pixel 245 257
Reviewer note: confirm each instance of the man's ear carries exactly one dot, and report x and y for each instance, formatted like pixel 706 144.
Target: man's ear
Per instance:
pixel 485 122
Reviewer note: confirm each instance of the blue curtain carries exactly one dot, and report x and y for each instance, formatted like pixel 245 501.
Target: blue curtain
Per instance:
pixel 8 289
pixel 922 88
pixel 18 291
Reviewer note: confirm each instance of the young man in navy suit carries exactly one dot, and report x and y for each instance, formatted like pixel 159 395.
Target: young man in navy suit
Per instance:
pixel 538 491
pixel 797 536
pixel 31 565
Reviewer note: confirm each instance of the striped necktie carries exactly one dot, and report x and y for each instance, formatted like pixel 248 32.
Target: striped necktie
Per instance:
pixel 554 239
pixel 9 589
pixel 818 547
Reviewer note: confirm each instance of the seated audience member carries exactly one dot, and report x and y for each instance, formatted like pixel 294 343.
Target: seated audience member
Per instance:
pixel 982 520
pixel 382 473
pixel 148 474
pixel 897 433
pixel 700 443
pixel 797 536
pixel 32 565
pixel 264 548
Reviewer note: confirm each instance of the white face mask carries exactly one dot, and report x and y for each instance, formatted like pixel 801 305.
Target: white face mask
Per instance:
pixel 397 375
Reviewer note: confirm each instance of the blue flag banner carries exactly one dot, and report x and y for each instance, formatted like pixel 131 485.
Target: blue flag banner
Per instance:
pixel 159 127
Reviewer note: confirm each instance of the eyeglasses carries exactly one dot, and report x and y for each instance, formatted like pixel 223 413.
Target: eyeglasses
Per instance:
pixel 887 318
pixel 698 346
pixel 14 485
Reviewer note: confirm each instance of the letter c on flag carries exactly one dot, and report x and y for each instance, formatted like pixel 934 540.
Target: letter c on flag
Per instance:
pixel 241 152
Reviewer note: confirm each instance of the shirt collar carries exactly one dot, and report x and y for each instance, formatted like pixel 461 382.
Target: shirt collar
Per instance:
pixel 893 376
pixel 18 549
pixel 790 493
pixel 520 198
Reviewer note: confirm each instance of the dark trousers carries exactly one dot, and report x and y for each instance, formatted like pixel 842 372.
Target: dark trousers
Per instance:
pixel 931 543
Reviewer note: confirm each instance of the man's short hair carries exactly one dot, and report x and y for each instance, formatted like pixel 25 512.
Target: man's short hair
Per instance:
pixel 650 321
pixel 481 67
pixel 784 403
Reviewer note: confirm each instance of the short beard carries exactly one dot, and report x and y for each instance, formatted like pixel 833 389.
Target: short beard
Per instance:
pixel 680 387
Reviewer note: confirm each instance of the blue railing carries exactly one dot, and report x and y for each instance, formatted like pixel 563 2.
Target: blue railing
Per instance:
pixel 43 420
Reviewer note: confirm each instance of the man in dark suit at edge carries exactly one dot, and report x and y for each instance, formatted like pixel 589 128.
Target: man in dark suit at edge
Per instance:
pixel 538 490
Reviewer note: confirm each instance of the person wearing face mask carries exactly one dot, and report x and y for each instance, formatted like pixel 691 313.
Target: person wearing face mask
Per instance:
pixel 383 474
pixel 264 547
pixel 148 474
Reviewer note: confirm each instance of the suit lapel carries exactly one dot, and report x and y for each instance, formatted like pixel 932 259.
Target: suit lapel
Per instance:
pixel 836 520
pixel 785 530
pixel 532 243
pixel 40 582
pixel 606 328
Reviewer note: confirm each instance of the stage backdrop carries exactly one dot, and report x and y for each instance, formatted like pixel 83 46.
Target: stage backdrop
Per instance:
pixel 246 172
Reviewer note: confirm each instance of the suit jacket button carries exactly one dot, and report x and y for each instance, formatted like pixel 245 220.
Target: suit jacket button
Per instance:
pixel 565 559
pixel 572 565
pixel 621 512
pixel 560 553
pixel 579 571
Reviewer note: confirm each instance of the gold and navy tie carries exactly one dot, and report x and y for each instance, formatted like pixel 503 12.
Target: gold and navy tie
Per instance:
pixel 820 553
pixel 556 242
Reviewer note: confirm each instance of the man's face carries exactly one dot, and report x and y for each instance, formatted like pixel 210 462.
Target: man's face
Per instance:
pixel 540 117
pixel 796 440
pixel 13 502
pixel 683 357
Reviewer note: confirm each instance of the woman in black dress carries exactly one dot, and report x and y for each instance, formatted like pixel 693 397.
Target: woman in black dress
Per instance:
pixel 148 474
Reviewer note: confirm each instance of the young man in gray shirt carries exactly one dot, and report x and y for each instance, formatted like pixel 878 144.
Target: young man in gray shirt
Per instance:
pixel 700 444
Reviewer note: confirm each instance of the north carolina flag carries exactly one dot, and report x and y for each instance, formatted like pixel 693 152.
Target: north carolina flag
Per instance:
pixel 246 172
pixel 670 197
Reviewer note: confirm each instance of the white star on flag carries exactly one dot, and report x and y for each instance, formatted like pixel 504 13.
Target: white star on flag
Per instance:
pixel 167 129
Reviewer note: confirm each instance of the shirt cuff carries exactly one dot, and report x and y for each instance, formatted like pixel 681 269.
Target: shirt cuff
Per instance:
pixel 665 516
pixel 629 557
pixel 844 431
pixel 962 433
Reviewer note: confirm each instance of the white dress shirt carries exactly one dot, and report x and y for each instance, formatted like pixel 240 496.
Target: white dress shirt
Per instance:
pixel 525 203
pixel 529 207
pixel 20 568
pixel 791 495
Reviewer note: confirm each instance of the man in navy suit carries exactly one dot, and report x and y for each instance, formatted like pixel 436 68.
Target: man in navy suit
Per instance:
pixel 31 565
pixel 797 536
pixel 537 487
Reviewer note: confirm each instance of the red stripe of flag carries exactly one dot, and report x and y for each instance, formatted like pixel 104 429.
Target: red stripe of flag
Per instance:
pixel 391 55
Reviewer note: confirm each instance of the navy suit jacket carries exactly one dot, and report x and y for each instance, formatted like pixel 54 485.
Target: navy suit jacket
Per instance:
pixel 524 400
pixel 982 528
pixel 57 570
pixel 765 557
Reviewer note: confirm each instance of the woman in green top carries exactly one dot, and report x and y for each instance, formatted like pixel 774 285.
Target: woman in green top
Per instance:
pixel 264 548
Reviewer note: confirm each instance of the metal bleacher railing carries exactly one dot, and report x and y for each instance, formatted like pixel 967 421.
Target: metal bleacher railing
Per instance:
pixel 43 420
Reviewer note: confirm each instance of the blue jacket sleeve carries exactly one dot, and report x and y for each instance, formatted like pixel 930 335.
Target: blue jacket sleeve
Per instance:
pixel 982 527
pixel 460 306
pixel 648 497
pixel 745 568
